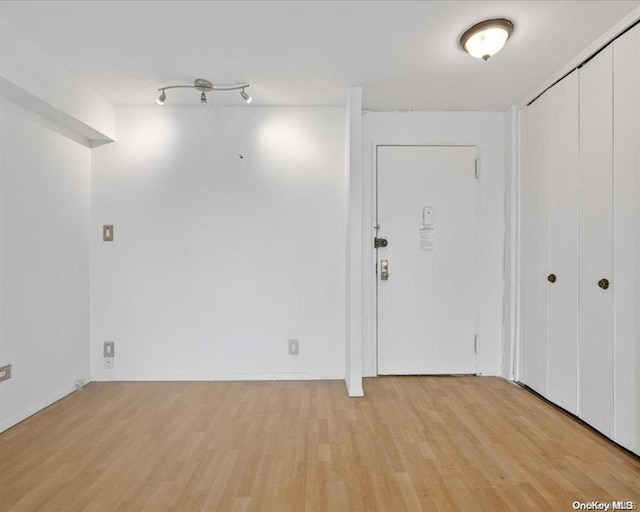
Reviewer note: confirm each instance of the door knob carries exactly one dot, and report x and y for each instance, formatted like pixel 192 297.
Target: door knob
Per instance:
pixel 384 270
pixel 552 278
pixel 380 242
pixel 603 283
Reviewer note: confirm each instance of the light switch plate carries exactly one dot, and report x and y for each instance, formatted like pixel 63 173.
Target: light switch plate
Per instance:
pixel 5 372
pixel 109 349
pixel 294 346
pixel 107 233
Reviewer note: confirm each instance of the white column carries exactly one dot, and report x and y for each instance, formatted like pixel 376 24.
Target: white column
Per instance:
pixel 353 274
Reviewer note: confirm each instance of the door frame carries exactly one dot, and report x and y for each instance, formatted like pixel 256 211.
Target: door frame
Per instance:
pixel 372 253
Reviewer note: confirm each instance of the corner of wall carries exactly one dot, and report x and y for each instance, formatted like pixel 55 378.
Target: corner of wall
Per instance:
pixel 353 255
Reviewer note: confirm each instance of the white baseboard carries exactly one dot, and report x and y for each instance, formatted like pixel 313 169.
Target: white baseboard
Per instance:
pixel 486 372
pixel 214 378
pixel 37 407
pixel 491 372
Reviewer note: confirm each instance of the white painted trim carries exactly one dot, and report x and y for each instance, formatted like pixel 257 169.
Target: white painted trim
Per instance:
pixel 492 372
pixel 594 47
pixel 37 407
pixel 369 256
pixel 517 270
pixel 216 377
pixel 511 280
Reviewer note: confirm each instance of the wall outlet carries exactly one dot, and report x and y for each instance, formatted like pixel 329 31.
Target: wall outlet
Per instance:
pixel 109 349
pixel 108 363
pixel 79 384
pixel 294 346
pixel 5 372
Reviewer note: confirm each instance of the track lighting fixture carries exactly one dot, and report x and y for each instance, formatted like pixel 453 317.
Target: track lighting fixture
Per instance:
pixel 205 86
pixel 245 96
pixel 485 39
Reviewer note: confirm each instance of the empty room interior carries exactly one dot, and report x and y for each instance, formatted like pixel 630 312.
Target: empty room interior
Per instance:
pixel 319 256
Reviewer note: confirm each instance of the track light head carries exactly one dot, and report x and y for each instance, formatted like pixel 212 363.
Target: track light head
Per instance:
pixel 246 97
pixel 162 98
pixel 203 98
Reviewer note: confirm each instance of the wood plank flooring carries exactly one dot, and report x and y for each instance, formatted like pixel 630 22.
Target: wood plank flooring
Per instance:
pixel 412 444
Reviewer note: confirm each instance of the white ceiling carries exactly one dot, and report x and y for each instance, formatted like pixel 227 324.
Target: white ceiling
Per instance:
pixel 404 54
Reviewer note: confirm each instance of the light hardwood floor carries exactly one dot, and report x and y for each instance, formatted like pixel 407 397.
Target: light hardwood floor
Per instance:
pixel 413 443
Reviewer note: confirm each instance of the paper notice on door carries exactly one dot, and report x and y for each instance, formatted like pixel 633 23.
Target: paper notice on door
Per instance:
pixel 426 234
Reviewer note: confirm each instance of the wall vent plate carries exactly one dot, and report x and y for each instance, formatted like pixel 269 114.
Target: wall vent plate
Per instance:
pixel 5 372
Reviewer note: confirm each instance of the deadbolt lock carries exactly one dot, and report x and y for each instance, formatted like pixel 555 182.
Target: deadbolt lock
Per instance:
pixel 380 242
pixel 384 270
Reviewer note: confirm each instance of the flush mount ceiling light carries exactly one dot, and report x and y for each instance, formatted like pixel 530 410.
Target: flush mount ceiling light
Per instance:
pixel 485 39
pixel 205 86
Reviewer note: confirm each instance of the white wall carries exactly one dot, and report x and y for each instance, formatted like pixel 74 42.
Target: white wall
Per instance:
pixel 486 130
pixel 44 263
pixel 219 260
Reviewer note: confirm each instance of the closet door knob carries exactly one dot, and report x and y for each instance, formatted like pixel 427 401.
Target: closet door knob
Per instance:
pixel 603 283
pixel 552 278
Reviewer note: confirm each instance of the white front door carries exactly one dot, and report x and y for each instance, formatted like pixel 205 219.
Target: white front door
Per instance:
pixel 427 273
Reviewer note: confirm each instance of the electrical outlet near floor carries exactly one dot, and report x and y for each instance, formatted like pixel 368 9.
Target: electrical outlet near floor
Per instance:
pixel 5 372
pixel 294 346
pixel 108 352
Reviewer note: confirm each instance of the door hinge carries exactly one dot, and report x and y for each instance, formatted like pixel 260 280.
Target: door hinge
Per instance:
pixel 475 343
pixel 477 170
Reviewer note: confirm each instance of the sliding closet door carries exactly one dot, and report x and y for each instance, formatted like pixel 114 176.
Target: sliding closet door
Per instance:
pixel 596 242
pixel 534 193
pixel 626 277
pixel 562 245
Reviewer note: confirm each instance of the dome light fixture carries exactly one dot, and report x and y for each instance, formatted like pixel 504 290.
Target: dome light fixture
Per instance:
pixel 485 39
pixel 205 86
